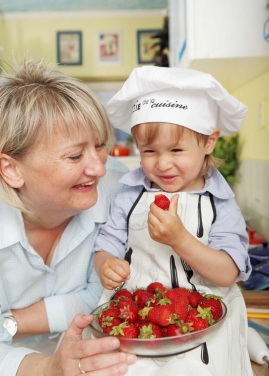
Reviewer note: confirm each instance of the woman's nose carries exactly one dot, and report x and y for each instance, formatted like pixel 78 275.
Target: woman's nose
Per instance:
pixel 95 166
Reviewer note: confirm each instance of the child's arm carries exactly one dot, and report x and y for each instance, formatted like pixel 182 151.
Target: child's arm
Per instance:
pixel 111 270
pixel 167 228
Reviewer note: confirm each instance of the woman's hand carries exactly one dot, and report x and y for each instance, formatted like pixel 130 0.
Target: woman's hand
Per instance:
pixel 113 272
pixel 94 356
pixel 166 227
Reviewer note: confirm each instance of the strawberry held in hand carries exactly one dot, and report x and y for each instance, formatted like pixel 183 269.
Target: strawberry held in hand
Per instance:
pixel 162 201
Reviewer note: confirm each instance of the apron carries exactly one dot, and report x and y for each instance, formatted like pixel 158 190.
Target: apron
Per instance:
pixel 152 261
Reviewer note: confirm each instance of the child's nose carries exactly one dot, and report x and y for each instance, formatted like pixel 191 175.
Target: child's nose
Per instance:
pixel 164 163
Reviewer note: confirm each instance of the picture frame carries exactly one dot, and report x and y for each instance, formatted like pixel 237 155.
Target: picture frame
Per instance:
pixel 69 47
pixel 145 45
pixel 109 47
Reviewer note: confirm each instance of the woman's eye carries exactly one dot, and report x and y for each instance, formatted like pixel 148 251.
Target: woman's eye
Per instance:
pixel 100 146
pixel 75 157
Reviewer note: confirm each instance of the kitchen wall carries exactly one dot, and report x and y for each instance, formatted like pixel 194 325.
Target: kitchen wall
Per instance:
pixel 252 188
pixel 35 33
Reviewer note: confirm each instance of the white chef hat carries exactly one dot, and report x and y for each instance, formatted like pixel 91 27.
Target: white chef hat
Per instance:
pixel 187 97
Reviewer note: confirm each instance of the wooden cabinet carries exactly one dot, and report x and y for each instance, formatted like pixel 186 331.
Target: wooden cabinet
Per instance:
pixel 228 39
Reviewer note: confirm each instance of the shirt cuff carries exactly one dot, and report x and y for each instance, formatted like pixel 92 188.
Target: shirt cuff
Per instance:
pixel 11 362
pixel 56 314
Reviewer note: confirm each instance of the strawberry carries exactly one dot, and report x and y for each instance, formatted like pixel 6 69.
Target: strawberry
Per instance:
pixel 180 307
pixel 171 295
pixel 142 297
pixel 199 318
pixel 161 315
pixel 123 292
pixel 162 201
pixel 195 298
pixel 173 330
pixel 128 310
pixel 109 312
pixel 214 303
pixel 142 315
pixel 156 287
pixel 150 330
pixel 127 330
pixel 182 291
pixel 109 322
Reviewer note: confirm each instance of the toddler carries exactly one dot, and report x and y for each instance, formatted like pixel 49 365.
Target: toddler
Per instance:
pixel 175 117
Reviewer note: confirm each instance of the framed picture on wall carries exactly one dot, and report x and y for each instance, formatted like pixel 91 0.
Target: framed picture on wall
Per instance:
pixel 109 47
pixel 147 46
pixel 69 47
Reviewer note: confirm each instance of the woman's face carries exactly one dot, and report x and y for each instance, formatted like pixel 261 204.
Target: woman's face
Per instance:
pixel 62 176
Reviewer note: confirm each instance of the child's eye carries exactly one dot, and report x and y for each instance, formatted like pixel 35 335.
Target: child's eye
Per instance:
pixel 176 150
pixel 148 151
pixel 75 157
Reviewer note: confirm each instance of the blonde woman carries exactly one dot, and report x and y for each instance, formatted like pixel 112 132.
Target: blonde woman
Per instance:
pixel 56 185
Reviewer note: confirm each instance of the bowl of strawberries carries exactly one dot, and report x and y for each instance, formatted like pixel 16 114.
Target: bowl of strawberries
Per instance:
pixel 158 321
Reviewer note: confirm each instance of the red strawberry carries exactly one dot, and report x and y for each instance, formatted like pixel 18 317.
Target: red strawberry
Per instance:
pixel 127 330
pixel 196 298
pixel 162 201
pixel 173 330
pixel 199 318
pixel 109 312
pixel 142 297
pixel 161 315
pixel 123 293
pixel 152 287
pixel 171 295
pixel 137 291
pixel 128 310
pixel 180 307
pixel 142 315
pixel 150 330
pixel 109 322
pixel 214 302
pixel 182 291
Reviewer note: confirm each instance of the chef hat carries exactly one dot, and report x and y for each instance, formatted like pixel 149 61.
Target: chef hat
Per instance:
pixel 186 97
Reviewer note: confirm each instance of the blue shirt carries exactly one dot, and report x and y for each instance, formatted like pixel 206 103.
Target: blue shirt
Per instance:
pixel 228 232
pixel 68 286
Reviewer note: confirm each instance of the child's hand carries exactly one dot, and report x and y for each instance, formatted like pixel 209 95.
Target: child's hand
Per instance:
pixel 165 226
pixel 113 272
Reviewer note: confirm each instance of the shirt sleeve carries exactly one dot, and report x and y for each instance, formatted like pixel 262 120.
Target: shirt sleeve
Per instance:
pixel 10 358
pixel 113 234
pixel 228 234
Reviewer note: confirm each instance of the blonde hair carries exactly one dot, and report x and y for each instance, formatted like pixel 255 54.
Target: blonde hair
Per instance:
pixel 151 133
pixel 34 99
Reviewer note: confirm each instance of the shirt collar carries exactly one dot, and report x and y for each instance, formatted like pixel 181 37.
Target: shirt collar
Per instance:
pixel 12 227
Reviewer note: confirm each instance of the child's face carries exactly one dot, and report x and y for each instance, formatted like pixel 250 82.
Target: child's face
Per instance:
pixel 174 166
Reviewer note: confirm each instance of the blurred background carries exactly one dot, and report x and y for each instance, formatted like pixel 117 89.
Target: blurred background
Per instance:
pixel 100 42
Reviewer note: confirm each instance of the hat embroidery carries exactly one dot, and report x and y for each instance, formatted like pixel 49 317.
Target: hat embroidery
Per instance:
pixel 153 104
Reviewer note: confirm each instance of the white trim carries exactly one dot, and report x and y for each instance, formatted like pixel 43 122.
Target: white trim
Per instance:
pixel 85 14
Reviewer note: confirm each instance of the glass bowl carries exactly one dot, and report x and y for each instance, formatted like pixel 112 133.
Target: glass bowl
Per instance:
pixel 158 347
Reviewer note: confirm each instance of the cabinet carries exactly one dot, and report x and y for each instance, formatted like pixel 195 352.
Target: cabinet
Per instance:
pixel 226 38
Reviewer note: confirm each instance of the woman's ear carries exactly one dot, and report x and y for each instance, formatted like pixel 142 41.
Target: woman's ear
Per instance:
pixel 211 141
pixel 10 172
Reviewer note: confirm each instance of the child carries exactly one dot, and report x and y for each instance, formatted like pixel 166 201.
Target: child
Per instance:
pixel 175 117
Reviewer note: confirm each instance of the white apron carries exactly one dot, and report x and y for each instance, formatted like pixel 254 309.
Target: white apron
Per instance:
pixel 152 261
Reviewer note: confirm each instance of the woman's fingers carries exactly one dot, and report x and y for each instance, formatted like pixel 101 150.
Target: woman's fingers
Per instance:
pixel 114 362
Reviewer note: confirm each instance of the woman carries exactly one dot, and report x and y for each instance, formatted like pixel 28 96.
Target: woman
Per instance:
pixel 56 185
